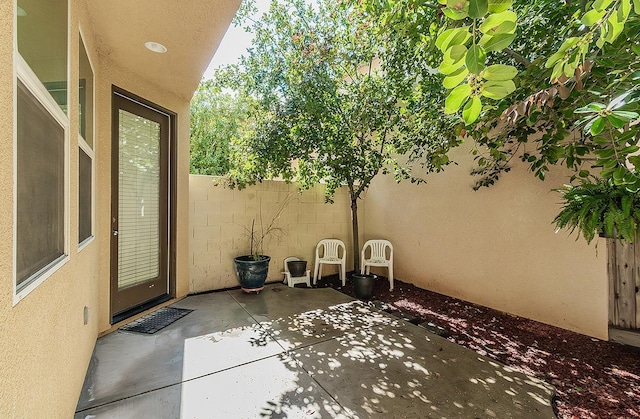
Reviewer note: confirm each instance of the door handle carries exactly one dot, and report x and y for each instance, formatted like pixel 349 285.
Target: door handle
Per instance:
pixel 115 232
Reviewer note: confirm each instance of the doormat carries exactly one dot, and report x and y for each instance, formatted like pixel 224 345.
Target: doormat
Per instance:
pixel 157 320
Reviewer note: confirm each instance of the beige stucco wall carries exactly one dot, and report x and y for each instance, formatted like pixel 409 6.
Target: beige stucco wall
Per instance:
pixel 219 217
pixel 44 342
pixel 495 247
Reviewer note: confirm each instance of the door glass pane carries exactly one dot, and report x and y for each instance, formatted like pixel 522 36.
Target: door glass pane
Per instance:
pixel 139 192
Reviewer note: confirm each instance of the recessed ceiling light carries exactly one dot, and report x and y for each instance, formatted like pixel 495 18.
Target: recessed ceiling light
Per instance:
pixel 155 47
pixel 21 12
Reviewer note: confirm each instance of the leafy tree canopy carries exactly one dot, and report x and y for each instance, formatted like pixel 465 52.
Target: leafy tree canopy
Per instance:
pixel 572 99
pixel 341 88
pixel 217 118
pixel 326 105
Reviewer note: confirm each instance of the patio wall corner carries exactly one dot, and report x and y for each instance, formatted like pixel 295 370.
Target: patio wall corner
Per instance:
pixel 220 217
pixel 495 247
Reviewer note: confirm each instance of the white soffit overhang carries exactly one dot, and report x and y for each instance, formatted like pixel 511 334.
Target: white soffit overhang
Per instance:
pixel 191 30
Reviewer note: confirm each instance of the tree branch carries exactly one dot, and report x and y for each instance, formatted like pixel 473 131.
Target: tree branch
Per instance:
pixel 519 58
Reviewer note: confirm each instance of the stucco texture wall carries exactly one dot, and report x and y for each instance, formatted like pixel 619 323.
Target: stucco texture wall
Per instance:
pixel 45 345
pixel 494 247
pixel 44 342
pixel 219 218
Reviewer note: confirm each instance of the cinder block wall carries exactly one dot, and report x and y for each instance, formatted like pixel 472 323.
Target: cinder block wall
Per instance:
pixel 220 217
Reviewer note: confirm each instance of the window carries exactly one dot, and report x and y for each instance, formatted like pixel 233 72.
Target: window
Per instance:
pixel 85 195
pixel 41 143
pixel 40 204
pixel 85 96
pixel 42 43
pixel 85 152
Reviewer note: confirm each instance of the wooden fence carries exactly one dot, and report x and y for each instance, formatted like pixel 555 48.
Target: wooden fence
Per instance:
pixel 624 284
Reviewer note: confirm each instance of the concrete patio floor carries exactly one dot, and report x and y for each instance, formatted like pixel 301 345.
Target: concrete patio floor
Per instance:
pixel 295 352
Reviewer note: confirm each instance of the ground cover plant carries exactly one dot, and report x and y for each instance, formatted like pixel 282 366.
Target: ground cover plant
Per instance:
pixel 594 379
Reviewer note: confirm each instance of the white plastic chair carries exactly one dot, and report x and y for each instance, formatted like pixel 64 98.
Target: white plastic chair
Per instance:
pixel 292 280
pixel 378 257
pixel 333 253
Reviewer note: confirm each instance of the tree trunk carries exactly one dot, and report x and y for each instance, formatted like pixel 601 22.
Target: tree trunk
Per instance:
pixel 356 241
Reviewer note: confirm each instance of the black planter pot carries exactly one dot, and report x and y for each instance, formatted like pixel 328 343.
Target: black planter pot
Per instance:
pixel 363 285
pixel 252 273
pixel 297 267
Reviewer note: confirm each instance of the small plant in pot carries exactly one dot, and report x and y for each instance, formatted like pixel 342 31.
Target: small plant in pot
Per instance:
pixel 600 207
pixel 253 269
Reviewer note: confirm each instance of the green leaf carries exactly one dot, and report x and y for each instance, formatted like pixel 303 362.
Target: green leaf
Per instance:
pixel 444 36
pixel 615 121
pixel 569 43
pixel 499 72
pixel 603 33
pixel 623 10
pixel 455 55
pixel 618 175
pixel 619 101
pixel 626 115
pixel 497 89
pixel 471 110
pixel 601 4
pixel 557 71
pixel 455 36
pixel 497 6
pixel 478 8
pixel 620 118
pixel 456 98
pixel 614 28
pixel 591 108
pixel 636 6
pixel 475 59
pixel 454 14
pixel 553 59
pixel 569 68
pixel 635 160
pixel 591 17
pixel 597 126
pixel 629 150
pixel 496 42
pixel 494 21
pixel 447 69
pixel 453 59
pixel 456 78
pixel 560 54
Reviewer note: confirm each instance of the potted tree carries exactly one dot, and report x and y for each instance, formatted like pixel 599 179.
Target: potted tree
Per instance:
pixel 600 208
pixel 253 269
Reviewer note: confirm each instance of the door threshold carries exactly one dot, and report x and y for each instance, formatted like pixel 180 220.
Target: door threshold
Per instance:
pixel 123 315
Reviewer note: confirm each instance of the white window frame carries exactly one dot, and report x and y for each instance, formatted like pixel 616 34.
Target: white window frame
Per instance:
pixel 84 146
pixel 23 72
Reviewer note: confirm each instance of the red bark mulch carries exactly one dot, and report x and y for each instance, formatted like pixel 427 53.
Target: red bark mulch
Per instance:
pixel 593 378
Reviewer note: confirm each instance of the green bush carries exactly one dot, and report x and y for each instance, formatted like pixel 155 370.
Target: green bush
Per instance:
pixel 599 207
